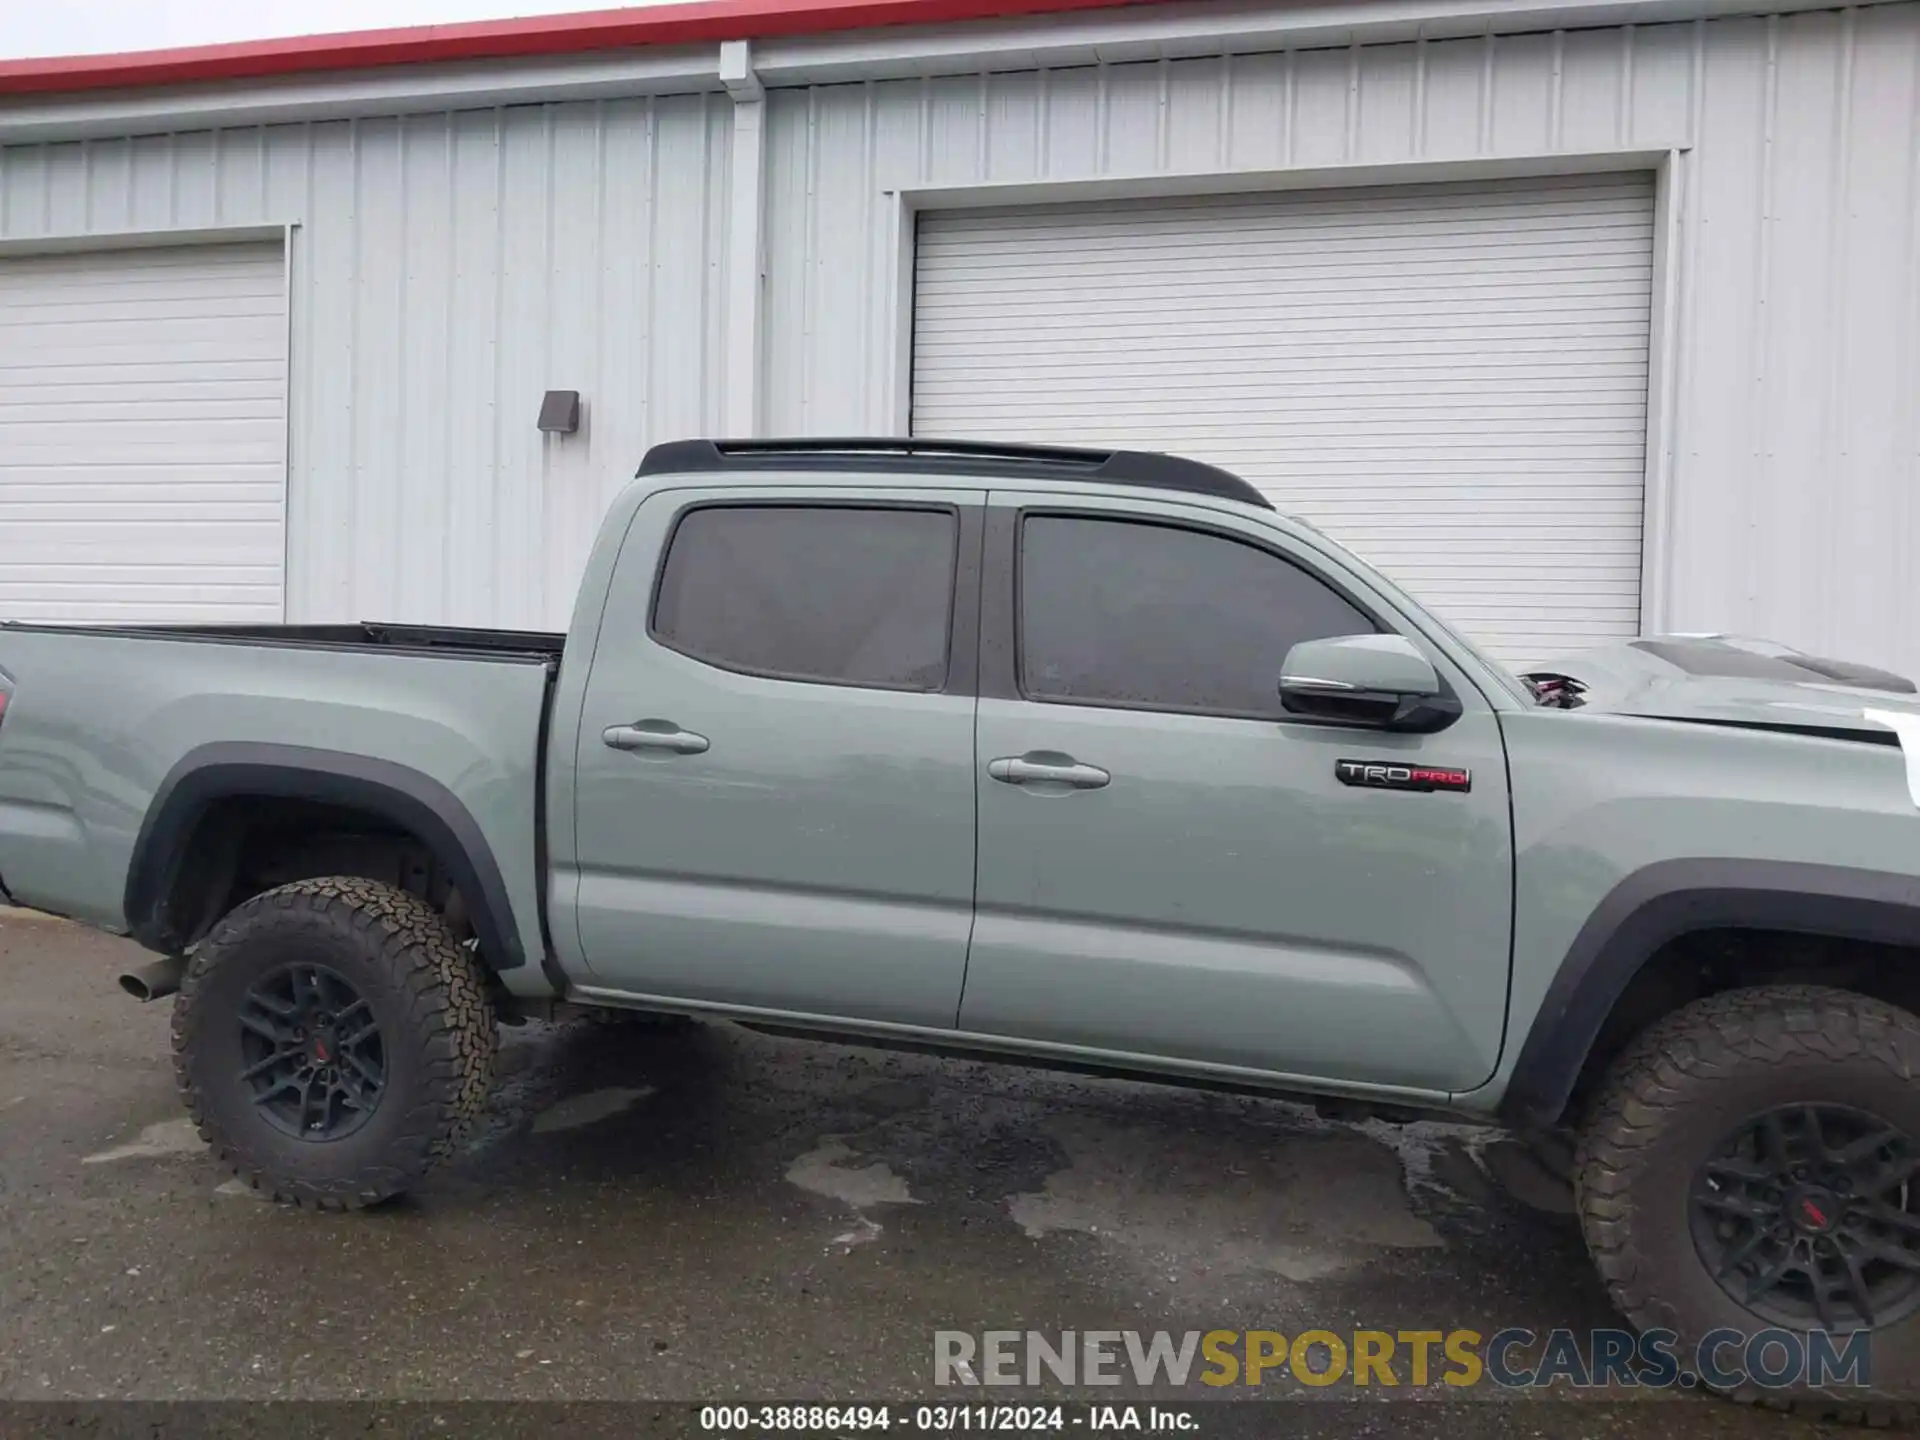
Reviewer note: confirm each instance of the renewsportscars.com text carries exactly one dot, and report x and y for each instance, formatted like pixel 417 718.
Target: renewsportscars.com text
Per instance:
pixel 1510 1359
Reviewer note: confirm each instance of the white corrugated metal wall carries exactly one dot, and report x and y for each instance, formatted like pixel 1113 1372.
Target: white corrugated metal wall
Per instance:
pixel 1451 380
pixel 1796 432
pixel 448 268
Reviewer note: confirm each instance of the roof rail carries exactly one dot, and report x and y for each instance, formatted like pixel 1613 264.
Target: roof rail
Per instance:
pixel 959 457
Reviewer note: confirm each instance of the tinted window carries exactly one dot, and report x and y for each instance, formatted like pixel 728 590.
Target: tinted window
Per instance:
pixel 1113 612
pixel 857 597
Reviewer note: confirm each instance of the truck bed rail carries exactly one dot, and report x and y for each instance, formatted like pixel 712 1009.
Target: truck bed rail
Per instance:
pixel 363 635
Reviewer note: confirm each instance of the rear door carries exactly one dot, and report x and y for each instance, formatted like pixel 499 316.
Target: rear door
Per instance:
pixel 775 804
pixel 1170 867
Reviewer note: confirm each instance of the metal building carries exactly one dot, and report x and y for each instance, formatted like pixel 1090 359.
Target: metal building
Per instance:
pixel 1581 316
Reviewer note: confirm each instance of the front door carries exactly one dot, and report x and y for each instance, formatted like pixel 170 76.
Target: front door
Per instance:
pixel 774 793
pixel 1169 867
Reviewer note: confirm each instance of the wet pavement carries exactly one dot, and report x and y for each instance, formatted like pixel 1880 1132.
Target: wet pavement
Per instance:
pixel 710 1214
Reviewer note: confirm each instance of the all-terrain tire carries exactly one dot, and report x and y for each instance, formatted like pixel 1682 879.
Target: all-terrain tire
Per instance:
pixel 1672 1097
pixel 424 989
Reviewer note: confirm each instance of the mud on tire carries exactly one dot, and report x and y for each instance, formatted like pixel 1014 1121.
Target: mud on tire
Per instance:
pixel 1725 1066
pixel 357 953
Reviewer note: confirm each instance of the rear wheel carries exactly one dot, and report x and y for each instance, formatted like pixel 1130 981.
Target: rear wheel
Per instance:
pixel 333 1041
pixel 1753 1165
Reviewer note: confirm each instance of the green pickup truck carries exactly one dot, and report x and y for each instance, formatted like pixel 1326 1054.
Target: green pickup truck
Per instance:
pixel 1067 757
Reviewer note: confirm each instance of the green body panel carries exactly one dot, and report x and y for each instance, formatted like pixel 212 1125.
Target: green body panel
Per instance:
pixel 99 720
pixel 1599 795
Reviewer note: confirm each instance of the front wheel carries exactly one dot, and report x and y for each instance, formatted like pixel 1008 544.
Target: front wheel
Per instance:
pixel 1754 1165
pixel 333 1041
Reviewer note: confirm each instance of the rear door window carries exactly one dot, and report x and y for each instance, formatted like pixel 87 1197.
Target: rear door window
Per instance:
pixel 840 595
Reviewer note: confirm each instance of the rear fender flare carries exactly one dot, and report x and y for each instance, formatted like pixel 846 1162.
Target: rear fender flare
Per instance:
pixel 396 793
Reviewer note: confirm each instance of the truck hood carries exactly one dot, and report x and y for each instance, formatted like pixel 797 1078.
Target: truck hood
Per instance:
pixel 1736 681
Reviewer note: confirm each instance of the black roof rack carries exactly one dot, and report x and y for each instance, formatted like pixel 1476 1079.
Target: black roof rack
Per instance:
pixel 954 457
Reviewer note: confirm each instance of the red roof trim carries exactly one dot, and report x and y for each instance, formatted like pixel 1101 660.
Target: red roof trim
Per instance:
pixel 705 21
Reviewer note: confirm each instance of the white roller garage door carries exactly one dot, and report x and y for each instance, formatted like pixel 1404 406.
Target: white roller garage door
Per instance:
pixel 1451 380
pixel 143 434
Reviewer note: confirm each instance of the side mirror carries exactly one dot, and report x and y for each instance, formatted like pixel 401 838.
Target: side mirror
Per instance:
pixel 1375 681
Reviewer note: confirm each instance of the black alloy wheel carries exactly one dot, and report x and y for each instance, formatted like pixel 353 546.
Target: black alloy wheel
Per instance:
pixel 312 1052
pixel 1809 1215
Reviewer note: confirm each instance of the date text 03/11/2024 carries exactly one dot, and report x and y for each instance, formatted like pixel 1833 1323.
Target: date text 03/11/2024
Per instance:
pixel 944 1419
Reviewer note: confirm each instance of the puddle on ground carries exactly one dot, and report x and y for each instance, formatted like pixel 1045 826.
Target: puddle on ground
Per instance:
pixel 822 1171
pixel 1305 1208
pixel 168 1137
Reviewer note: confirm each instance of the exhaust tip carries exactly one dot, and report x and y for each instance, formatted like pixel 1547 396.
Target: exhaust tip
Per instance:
pixel 155 981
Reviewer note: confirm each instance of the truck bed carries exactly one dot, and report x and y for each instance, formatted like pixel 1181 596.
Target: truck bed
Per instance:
pixel 103 721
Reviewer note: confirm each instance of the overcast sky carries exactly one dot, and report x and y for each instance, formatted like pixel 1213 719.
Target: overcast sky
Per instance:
pixel 71 27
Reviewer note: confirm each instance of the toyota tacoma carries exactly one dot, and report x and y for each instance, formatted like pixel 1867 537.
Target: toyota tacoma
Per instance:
pixel 1067 757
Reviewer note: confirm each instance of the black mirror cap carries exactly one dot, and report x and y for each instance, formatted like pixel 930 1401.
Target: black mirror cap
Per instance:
pixel 1364 710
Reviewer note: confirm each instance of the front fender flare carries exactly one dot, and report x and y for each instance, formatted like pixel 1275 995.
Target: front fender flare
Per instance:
pixel 1660 903
pixel 404 796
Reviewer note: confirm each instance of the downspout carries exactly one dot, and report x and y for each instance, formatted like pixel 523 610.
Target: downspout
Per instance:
pixel 740 407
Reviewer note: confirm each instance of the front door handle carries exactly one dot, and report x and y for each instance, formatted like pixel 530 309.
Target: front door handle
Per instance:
pixel 1034 769
pixel 654 735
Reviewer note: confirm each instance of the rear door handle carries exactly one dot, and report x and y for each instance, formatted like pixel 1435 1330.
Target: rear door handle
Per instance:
pixel 654 735
pixel 1051 770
